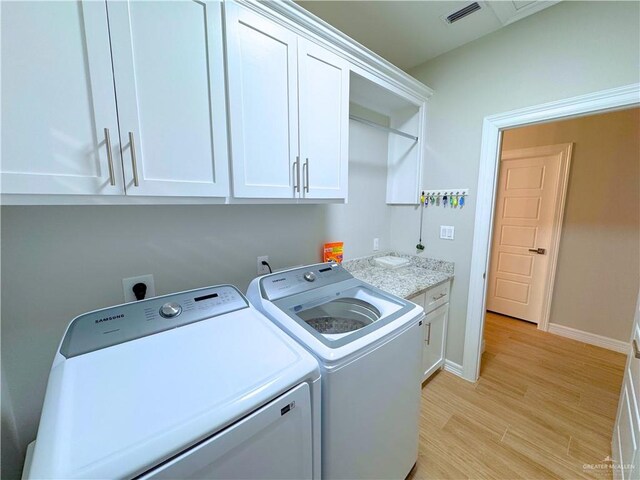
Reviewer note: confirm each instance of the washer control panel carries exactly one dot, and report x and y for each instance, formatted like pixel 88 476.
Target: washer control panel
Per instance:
pixel 112 326
pixel 291 282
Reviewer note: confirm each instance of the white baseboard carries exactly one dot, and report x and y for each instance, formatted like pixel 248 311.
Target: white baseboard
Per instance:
pixel 590 338
pixel 452 367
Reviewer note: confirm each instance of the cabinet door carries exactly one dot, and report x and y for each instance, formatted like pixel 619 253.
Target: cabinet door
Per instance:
pixel 57 100
pixel 324 121
pixel 435 335
pixel 263 105
pixel 169 76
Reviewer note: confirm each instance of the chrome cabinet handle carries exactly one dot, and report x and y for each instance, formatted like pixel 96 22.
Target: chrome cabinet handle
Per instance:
pixel 134 163
pixel 107 140
pixel 636 351
pixel 439 296
pixel 296 177
pixel 429 334
pixel 539 251
pixel 306 167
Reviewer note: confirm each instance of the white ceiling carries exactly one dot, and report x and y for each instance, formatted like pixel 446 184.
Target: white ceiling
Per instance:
pixel 408 33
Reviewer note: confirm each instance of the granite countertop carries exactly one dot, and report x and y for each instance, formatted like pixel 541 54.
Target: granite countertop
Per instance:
pixel 421 274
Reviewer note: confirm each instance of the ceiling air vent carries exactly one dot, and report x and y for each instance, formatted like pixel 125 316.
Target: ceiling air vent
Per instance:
pixel 463 12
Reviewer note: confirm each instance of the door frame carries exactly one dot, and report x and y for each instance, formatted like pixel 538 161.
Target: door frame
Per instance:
pixel 558 216
pixel 492 127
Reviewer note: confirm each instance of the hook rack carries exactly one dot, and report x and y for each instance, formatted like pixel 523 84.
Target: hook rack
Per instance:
pixel 448 191
pixel 459 193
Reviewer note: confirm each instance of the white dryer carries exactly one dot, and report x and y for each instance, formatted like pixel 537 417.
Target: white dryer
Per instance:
pixel 191 385
pixel 369 346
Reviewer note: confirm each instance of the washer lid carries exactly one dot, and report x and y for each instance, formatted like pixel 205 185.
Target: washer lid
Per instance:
pixel 118 411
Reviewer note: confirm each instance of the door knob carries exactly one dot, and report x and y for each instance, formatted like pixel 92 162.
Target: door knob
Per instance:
pixel 539 251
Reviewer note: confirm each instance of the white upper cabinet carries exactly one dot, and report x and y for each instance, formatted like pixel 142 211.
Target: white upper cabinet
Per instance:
pixel 289 108
pixel 324 121
pixel 57 100
pixel 263 103
pixel 169 76
pixel 60 63
pixel 201 100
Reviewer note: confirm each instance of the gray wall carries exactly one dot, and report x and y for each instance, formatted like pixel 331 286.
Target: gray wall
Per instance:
pixel 599 257
pixel 61 261
pixel 570 49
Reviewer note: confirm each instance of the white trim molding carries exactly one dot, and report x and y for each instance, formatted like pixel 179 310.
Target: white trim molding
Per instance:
pixel 367 62
pixel 590 338
pixel 452 367
pixel 606 100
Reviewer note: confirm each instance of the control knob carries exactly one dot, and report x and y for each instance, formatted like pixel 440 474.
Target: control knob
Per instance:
pixel 309 276
pixel 170 310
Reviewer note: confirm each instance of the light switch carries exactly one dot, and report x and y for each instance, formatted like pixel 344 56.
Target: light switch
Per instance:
pixel 447 232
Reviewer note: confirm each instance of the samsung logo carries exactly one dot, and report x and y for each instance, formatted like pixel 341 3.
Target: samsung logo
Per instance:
pixel 278 280
pixel 107 319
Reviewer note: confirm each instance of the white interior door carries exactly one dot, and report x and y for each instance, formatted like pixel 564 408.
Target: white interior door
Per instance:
pixel 57 100
pixel 262 75
pixel 169 73
pixel 527 222
pixel 274 442
pixel 626 432
pixel 324 121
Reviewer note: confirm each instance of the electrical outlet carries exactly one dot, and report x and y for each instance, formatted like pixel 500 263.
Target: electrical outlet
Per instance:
pixel 128 283
pixel 447 232
pixel 376 244
pixel 263 269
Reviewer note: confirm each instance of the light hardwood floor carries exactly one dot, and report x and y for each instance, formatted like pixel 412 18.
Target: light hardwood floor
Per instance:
pixel 544 406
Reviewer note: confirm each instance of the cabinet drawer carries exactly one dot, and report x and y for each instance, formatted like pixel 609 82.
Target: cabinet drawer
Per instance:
pixel 434 297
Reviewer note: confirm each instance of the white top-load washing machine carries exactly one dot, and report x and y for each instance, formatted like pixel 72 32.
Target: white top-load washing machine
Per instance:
pixel 369 346
pixel 191 385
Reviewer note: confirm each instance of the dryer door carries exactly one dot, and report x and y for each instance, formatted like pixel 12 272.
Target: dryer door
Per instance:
pixel 274 442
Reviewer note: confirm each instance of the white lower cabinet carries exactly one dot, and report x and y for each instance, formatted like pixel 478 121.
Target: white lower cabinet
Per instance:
pixel 435 302
pixel 435 337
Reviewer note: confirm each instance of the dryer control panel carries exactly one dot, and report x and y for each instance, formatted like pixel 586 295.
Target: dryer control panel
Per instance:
pixel 282 284
pixel 112 326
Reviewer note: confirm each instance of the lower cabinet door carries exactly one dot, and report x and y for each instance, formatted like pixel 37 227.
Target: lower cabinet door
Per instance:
pixel 435 335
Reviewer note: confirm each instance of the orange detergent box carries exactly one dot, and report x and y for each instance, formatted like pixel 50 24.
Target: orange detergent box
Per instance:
pixel 332 252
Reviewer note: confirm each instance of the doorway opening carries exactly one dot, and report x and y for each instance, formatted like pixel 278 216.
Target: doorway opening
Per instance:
pixel 496 134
